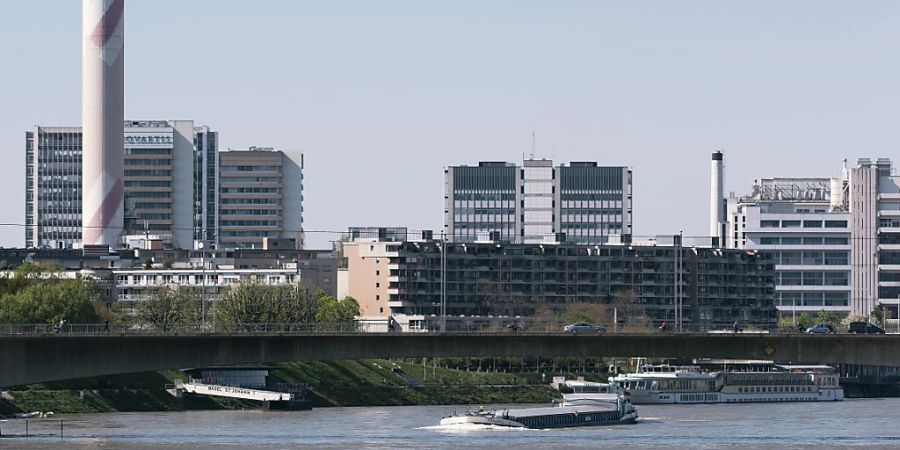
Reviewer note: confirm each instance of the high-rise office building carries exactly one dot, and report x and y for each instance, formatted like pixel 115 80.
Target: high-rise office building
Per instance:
pixel 162 158
pixel 260 196
pixel 580 203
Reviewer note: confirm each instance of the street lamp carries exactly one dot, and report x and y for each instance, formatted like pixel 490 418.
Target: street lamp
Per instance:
pixel 203 288
pixel 443 282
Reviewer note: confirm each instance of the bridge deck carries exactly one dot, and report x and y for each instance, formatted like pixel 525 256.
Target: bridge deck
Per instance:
pixel 32 359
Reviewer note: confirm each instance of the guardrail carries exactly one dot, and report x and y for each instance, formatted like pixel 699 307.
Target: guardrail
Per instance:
pixel 324 328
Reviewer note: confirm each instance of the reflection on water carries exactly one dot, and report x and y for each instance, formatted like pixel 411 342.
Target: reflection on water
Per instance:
pixel 862 423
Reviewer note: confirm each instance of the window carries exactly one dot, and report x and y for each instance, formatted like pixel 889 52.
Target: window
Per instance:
pixel 835 224
pixel 812 278
pixel 812 241
pixel 791 278
pixel 768 224
pixel 837 279
pixel 836 259
pixel 836 241
pixel 791 241
pixel 812 224
pixel 791 258
pixel 790 224
pixel 768 241
pixel 812 258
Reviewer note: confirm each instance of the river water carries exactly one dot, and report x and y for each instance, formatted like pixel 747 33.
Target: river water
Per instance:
pixel 863 423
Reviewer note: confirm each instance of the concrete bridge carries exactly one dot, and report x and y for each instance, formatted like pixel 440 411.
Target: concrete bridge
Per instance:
pixel 35 359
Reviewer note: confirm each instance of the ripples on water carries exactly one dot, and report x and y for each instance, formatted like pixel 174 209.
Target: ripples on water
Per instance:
pixel 852 423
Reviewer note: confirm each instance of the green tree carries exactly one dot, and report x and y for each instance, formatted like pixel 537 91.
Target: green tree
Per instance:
pixel 877 316
pixel 330 310
pixel 251 303
pixel 828 316
pixel 163 308
pixel 51 300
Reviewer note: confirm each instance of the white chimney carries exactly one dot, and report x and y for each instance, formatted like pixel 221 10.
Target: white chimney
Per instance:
pixel 102 120
pixel 717 199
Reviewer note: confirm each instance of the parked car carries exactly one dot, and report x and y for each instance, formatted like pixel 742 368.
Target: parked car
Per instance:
pixel 820 328
pixel 864 328
pixel 584 327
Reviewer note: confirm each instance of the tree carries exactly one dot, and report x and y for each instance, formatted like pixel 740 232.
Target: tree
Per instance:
pixel 828 316
pixel 51 300
pixel 164 307
pixel 330 310
pixel 877 316
pixel 587 312
pixel 252 302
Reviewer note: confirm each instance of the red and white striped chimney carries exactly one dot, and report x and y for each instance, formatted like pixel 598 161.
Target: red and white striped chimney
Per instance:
pixel 103 118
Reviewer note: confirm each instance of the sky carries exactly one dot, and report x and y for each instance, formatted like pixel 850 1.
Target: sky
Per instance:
pixel 381 95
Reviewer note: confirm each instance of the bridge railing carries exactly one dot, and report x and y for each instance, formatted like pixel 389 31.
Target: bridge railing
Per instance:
pixel 548 327
pixel 181 328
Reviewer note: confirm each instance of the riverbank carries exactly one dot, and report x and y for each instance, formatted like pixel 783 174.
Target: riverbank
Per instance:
pixel 330 383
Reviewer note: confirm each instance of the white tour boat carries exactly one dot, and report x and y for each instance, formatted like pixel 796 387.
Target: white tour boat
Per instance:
pixel 687 384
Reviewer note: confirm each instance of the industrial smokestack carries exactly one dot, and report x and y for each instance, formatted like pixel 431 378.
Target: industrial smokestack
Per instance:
pixel 102 120
pixel 717 199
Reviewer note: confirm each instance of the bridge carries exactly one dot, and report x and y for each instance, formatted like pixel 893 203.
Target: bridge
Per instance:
pixel 26 359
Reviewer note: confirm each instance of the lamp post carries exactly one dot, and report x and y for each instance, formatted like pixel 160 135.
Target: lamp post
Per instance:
pixel 203 287
pixel 443 282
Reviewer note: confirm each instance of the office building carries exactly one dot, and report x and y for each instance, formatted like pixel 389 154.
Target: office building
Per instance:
pixel 260 196
pixel 804 225
pixel 836 241
pixel 161 158
pixel 715 286
pixel 579 203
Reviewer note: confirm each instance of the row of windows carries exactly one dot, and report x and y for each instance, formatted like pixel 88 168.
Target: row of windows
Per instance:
pixel 837 278
pixel 797 240
pixel 803 223
pixel 250 212
pixel 250 168
pixel 812 258
pixel 148 162
pixel 251 190
pixel 249 201
pixel 147 151
pixel 250 179
pixel 148 173
pixel 794 298
pixel 248 223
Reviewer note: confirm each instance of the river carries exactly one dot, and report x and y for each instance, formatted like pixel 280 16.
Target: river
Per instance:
pixel 852 423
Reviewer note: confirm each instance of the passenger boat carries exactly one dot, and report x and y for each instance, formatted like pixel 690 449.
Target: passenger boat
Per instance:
pixel 575 410
pixel 687 384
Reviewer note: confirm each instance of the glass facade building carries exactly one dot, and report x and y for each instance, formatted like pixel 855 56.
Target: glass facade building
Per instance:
pixel 161 159
pixel 579 203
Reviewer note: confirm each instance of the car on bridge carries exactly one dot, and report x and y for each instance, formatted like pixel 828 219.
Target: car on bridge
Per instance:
pixel 820 328
pixel 584 327
pixel 864 328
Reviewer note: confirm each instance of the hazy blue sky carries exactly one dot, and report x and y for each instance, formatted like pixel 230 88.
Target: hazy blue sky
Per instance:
pixel 381 95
